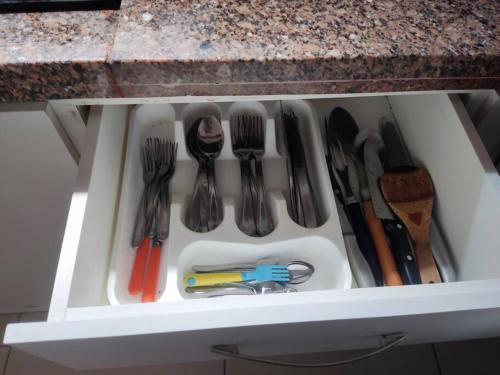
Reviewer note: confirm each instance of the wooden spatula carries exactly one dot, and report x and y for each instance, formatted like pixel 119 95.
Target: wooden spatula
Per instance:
pixel 410 194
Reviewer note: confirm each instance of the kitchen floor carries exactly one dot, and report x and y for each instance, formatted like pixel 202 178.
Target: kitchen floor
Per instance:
pixel 479 357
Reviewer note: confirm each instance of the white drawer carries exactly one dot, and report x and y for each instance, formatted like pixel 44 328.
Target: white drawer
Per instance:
pixel 85 330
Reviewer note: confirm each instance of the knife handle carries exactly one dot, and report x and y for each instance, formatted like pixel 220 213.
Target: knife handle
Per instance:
pixel 364 240
pixel 385 257
pixel 403 254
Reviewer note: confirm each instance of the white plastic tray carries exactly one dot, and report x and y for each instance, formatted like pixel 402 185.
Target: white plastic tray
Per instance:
pixel 323 246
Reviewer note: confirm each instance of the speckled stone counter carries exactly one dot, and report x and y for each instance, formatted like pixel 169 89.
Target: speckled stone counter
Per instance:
pixel 167 48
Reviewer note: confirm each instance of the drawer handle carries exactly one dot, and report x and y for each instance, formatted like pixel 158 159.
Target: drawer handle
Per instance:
pixel 232 351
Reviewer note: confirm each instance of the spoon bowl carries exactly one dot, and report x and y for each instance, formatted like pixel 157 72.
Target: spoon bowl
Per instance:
pixel 210 137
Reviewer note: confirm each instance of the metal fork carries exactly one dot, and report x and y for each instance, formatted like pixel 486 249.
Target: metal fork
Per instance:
pixel 264 221
pixel 148 169
pixel 160 218
pixel 242 149
pixel 154 164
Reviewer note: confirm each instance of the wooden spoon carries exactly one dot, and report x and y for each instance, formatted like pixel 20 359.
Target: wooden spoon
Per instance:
pixel 410 194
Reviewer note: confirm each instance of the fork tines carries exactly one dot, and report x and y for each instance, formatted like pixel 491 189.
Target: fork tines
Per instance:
pixel 247 132
pixel 158 152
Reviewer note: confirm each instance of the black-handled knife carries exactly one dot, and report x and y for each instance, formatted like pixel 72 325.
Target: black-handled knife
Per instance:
pixel 402 252
pixel 341 130
pixel 400 245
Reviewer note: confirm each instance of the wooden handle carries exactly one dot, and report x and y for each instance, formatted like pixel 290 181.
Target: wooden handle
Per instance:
pixel 151 281
pixel 385 257
pixel 137 275
pixel 426 263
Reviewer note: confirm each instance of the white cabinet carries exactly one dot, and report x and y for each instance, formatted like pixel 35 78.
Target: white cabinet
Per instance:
pixel 85 330
pixel 37 176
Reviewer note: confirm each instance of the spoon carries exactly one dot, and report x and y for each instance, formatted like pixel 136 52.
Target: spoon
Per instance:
pixel 269 287
pixel 241 289
pixel 197 213
pixel 210 139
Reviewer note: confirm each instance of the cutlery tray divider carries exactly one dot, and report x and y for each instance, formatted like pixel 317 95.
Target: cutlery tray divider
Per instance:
pixel 323 246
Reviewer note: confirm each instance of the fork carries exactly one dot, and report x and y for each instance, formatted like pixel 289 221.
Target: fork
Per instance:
pixel 158 161
pixel 264 220
pixel 167 156
pixel 261 273
pixel 242 149
pixel 139 237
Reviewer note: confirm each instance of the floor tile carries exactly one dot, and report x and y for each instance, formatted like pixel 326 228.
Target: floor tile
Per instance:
pixel 478 357
pixel 4 355
pixel 4 320
pixel 200 368
pixel 21 363
pixel 412 360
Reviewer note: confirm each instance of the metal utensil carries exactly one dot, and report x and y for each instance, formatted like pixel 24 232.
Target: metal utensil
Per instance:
pixel 148 173
pixel 270 287
pixel 234 267
pixel 261 273
pixel 305 209
pixel 299 271
pixel 210 139
pixel 264 221
pixel 158 158
pixel 292 188
pixel 375 226
pixel 220 290
pixel 204 211
pixel 373 148
pixel 197 216
pixel 242 149
pixel 342 130
pixel 167 152
pixel 361 270
pixel 139 235
pixel 231 289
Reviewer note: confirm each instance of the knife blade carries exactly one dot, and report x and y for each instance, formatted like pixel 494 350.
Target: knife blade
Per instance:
pixel 396 153
pixel 375 208
pixel 360 268
pixel 400 245
pixel 375 170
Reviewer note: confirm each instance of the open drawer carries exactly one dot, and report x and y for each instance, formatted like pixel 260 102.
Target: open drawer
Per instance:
pixel 92 323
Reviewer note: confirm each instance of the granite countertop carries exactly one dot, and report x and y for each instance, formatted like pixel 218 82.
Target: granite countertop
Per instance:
pixel 153 48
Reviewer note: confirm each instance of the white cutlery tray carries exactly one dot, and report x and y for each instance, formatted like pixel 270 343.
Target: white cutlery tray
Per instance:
pixel 322 246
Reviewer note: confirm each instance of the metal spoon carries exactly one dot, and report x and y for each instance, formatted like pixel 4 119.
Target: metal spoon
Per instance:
pixel 210 139
pixel 269 287
pixel 239 289
pixel 197 213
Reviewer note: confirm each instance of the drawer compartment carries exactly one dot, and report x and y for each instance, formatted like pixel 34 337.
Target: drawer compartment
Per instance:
pixel 227 243
pixel 92 313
